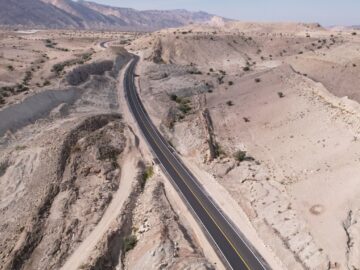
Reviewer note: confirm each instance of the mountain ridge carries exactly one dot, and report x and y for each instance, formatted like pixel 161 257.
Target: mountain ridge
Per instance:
pixel 89 15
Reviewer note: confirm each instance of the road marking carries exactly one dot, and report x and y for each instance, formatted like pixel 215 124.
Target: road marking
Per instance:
pixel 195 196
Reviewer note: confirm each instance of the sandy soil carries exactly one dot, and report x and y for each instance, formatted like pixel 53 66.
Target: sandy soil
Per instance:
pixel 274 91
pixel 73 192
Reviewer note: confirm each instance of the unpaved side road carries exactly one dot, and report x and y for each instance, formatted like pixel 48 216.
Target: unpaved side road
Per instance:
pixel 128 177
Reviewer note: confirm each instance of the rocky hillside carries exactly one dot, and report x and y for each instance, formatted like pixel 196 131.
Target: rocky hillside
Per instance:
pixel 88 15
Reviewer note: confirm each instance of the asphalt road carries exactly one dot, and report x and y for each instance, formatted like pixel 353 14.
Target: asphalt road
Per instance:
pixel 229 242
pixel 103 44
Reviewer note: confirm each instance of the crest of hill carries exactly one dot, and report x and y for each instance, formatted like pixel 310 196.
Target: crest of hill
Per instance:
pixel 89 15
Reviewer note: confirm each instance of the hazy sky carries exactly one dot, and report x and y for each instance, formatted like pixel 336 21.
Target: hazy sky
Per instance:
pixel 326 12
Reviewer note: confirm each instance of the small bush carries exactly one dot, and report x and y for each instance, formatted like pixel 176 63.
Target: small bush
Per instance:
pixel 10 68
pixel 354 33
pixel 86 56
pixel 148 173
pixel 240 155
pixel 20 147
pixel 246 69
pixel 231 83
pixel 195 72
pixel 173 97
pixel 220 80
pixel 281 94
pixel 257 80
pixel 46 83
pixel 58 68
pixel 129 242
pixel 21 88
pixel 229 103
pixel 218 150
pixel 3 167
pixel 184 108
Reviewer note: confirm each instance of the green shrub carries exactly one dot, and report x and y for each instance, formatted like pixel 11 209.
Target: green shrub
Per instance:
pixel 240 155
pixel 148 173
pixel 184 108
pixel 218 150
pixel 58 68
pixel 129 242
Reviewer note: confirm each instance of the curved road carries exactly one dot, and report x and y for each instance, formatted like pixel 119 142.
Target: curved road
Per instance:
pixel 235 250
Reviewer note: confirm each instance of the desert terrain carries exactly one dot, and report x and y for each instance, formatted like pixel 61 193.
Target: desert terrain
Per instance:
pixel 79 189
pixel 265 115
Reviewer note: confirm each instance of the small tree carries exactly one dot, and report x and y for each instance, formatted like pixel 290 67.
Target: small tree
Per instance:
pixel 281 94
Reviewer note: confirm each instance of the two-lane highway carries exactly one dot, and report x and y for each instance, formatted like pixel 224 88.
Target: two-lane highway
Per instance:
pixel 236 252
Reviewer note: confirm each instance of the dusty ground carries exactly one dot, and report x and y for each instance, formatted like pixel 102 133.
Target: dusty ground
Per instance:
pixel 265 115
pixel 276 92
pixel 31 61
pixel 77 188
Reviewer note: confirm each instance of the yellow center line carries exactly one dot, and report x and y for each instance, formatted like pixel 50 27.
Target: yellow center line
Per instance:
pixel 199 201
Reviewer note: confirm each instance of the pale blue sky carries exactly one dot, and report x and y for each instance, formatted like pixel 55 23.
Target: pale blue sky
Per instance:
pixel 326 12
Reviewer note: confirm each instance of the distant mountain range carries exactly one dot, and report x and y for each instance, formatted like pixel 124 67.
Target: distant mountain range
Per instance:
pixel 89 15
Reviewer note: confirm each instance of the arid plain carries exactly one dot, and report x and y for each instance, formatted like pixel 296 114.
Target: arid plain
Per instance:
pixel 266 115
